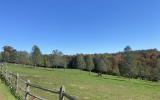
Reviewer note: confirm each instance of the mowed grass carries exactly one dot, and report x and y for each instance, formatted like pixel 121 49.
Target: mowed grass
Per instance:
pixel 5 92
pixel 85 87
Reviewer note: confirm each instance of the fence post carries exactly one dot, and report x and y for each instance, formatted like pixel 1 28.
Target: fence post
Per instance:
pixel 62 90
pixel 2 70
pixel 27 90
pixel 6 76
pixel 17 78
pixel 1 67
pixel 9 77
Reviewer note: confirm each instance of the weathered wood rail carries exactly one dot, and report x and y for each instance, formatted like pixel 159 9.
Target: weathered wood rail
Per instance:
pixel 14 79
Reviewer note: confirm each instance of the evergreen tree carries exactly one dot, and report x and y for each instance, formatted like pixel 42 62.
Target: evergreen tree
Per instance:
pixel 9 54
pixel 36 56
pixel 127 49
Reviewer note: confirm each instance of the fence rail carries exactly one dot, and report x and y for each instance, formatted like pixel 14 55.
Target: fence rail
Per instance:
pixel 14 79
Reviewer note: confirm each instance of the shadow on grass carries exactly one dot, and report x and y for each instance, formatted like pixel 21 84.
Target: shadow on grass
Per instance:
pixel 130 80
pixel 103 77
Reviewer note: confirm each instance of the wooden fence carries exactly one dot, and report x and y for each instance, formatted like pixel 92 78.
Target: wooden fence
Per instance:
pixel 13 80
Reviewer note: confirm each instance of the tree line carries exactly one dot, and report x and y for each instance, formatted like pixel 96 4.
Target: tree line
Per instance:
pixel 141 64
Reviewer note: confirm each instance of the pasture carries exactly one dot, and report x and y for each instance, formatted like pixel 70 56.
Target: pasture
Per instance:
pixel 87 87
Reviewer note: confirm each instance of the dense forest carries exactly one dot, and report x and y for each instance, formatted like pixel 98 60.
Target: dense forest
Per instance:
pixel 140 64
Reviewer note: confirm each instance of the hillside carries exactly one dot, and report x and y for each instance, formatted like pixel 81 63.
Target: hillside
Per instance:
pixel 85 87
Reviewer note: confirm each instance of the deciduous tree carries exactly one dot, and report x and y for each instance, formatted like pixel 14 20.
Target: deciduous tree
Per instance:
pixel 89 63
pixel 80 62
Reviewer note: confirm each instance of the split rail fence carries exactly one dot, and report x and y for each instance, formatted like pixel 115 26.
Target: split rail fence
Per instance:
pixel 15 81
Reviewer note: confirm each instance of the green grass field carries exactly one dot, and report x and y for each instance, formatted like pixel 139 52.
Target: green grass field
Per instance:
pixel 85 87
pixel 5 92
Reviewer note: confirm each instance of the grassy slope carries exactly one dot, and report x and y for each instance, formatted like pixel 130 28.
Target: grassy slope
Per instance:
pixel 5 92
pixel 86 87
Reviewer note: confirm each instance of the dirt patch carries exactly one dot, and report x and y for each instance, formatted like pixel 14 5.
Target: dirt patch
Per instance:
pixel 86 98
pixel 2 97
pixel 80 87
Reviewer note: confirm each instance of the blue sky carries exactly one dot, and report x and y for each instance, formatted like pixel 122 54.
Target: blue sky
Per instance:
pixel 80 26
